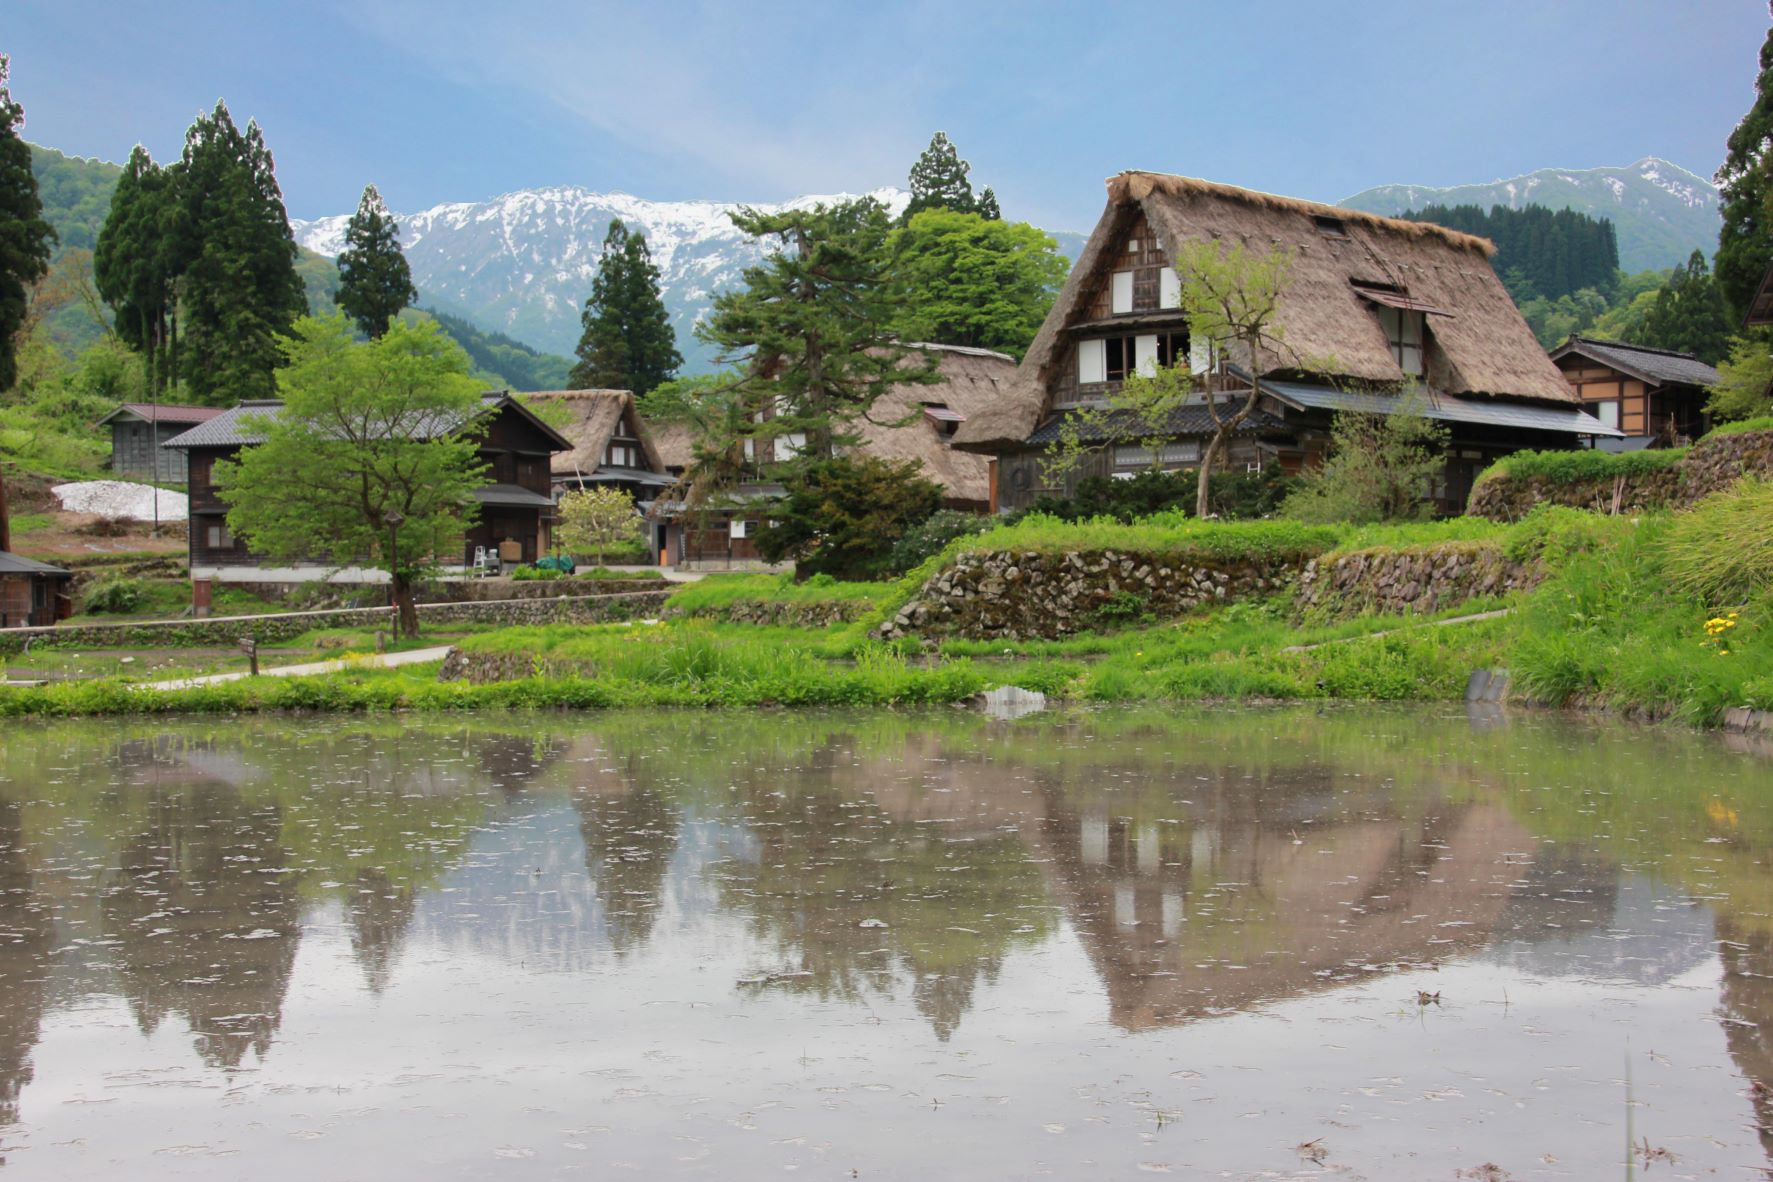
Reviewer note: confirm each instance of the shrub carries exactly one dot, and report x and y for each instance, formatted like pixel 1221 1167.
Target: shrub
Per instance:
pixel 841 517
pixel 117 595
pixel 531 574
pixel 1573 467
pixel 1721 551
pixel 1377 469
pixel 928 538
pixel 1234 495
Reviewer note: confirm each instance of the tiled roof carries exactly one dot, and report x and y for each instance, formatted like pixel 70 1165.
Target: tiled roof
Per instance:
pixel 164 413
pixel 1441 407
pixel 13 564
pixel 228 429
pixel 1661 366
pixel 1193 419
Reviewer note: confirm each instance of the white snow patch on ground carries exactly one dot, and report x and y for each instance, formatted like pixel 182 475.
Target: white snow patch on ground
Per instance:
pixel 121 500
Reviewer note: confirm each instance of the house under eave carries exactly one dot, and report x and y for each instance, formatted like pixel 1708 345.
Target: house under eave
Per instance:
pixel 1655 396
pixel 1375 307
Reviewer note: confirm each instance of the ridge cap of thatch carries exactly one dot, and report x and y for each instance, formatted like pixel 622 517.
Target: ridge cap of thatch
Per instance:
pixel 1139 184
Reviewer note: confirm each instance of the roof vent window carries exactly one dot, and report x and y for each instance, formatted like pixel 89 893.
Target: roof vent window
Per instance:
pixel 1330 227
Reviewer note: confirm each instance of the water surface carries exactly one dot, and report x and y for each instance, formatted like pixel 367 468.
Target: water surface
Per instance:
pixel 1263 943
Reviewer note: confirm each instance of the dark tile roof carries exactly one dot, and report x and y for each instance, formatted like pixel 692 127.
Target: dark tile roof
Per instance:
pixel 165 413
pixel 13 564
pixel 512 496
pixel 1661 366
pixel 1193 419
pixel 227 429
pixel 1524 416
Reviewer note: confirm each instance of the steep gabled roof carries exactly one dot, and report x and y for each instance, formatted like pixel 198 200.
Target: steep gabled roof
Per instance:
pixel 1484 348
pixel 595 415
pixel 229 428
pixel 1659 367
pixel 163 412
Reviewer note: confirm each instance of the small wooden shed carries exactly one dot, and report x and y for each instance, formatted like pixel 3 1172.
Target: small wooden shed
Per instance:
pixel 32 594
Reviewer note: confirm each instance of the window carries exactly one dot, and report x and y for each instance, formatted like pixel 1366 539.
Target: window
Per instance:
pixel 622 454
pixel 1120 292
pixel 1092 362
pixel 1185 451
pixel 217 537
pixel 1606 412
pixel 198 474
pixel 736 527
pixel 1120 356
pixel 1169 288
pixel 1403 332
pixel 1330 227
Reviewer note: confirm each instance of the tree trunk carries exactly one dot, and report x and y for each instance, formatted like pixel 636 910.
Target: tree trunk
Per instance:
pixel 1202 501
pixel 405 610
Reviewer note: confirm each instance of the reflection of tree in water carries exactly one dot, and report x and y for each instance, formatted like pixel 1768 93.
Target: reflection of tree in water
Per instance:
pixel 24 968
pixel 380 911
pixel 841 845
pixel 1747 1004
pixel 205 912
pixel 629 835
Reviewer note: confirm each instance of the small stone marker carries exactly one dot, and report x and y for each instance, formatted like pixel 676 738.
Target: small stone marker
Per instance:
pixel 250 647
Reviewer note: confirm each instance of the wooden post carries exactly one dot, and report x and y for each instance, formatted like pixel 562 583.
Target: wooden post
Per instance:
pixel 381 641
pixel 250 647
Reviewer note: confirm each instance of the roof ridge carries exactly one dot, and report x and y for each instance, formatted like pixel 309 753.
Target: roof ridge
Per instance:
pixel 1603 341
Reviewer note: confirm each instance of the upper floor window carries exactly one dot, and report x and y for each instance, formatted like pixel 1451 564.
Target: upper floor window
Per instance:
pixel 1404 333
pixel 1120 297
pixel 1111 359
pixel 622 454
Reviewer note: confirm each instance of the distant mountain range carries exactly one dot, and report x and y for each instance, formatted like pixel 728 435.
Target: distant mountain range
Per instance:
pixel 1659 211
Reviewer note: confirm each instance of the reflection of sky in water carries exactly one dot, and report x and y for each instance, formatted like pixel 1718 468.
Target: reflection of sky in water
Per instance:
pixel 666 972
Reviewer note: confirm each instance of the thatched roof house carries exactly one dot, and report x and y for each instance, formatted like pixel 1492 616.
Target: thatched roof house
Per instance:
pixel 1374 304
pixel 610 444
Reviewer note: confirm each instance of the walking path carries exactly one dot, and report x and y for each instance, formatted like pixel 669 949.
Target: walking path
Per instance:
pixel 417 656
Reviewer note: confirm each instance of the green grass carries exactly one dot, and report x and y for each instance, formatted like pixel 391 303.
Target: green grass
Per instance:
pixel 167 599
pixel 1167 534
pixel 30 523
pixel 717 593
pixel 1742 427
pixel 1573 467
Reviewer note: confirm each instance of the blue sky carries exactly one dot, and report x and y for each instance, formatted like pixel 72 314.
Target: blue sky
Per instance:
pixel 439 100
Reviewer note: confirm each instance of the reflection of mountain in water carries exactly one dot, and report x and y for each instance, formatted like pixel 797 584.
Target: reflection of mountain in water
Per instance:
pixel 205 913
pixel 1572 917
pixel 24 963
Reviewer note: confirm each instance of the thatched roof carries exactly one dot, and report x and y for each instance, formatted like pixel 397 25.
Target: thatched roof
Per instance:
pixel 676 444
pixel 595 416
pixel 1482 347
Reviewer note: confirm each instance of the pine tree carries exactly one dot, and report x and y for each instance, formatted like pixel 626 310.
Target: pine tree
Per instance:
pixel 374 281
pixel 238 288
pixel 939 180
pixel 988 206
pixel 133 263
pixel 25 236
pixel 1745 184
pixel 627 342
pixel 812 325
pixel 1688 315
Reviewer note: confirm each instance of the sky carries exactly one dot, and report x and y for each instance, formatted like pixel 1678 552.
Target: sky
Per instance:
pixel 445 100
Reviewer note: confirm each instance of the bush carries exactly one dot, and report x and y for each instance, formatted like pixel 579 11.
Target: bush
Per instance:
pixel 1574 467
pixel 1377 469
pixel 532 574
pixel 1233 495
pixel 929 537
pixel 117 595
pixel 841 517
pixel 1721 551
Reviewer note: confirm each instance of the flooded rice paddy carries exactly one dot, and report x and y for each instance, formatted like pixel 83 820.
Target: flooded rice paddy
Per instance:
pixel 1256 943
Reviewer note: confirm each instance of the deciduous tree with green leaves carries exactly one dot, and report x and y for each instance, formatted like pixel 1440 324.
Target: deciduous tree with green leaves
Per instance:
pixel 1745 379
pixel 1745 191
pixel 375 282
pixel 627 342
pixel 25 235
pixel 372 458
pixel 961 279
pixel 1377 469
pixel 597 519
pixel 811 330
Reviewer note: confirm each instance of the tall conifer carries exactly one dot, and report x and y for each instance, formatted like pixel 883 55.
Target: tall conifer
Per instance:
pixel 1688 315
pixel 627 342
pixel 25 236
pixel 1745 184
pixel 939 180
pixel 374 281
pixel 133 263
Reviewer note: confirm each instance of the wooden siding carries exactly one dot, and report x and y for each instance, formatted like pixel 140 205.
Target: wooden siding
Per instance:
pixel 136 450
pixel 1676 412
pixel 33 600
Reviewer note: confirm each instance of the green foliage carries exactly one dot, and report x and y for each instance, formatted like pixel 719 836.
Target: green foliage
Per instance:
pixel 238 289
pixel 535 574
pixel 1574 467
pixel 46 419
pixel 1762 422
pixel 964 279
pixel 1745 192
pixel 1170 535
pixel 627 343
pixel 939 180
pixel 1745 379
pixel 1379 468
pixel 501 360
pixel 842 517
pixel 1539 252
pixel 1122 609
pixel 1720 552
pixel 811 328
pixel 930 537
pixel 1233 495
pixel 1687 315
pixel 374 281
pixel 136 266
pixel 715 594
pixel 598 519
pixel 115 595
pixel 26 237
pixel 362 435
pixel 1138 412
pixel 76 193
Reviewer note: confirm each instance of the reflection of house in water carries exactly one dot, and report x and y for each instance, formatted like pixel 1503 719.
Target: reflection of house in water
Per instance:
pixel 204 911
pixel 24 967
pixel 1265 889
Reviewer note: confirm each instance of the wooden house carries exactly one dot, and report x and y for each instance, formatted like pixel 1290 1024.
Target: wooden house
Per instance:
pixel 32 594
pixel 910 421
pixel 139 433
pixel 516 503
pixel 1655 396
pixel 611 447
pixel 1374 306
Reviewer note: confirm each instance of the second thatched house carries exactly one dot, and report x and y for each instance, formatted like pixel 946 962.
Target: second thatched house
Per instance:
pixel 1378 306
pixel 611 447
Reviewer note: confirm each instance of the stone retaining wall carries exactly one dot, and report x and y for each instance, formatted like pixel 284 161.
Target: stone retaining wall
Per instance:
pixel 227 630
pixel 1712 465
pixel 1028 595
pixel 794 615
pixel 487 668
pixel 1409 582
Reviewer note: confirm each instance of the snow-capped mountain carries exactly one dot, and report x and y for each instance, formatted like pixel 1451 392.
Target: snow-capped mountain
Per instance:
pixel 1660 211
pixel 522 263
